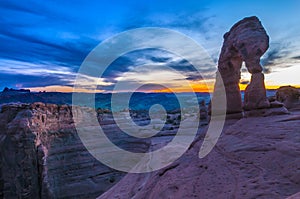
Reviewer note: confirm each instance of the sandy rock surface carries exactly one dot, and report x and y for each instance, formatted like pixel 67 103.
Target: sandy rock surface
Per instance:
pixel 257 157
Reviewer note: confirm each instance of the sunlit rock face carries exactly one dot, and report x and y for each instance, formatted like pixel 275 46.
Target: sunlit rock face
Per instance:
pixel 246 42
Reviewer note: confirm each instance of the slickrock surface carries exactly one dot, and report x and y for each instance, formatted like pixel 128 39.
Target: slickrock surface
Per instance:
pixel 43 157
pixel 295 196
pixel 256 157
pixel 246 42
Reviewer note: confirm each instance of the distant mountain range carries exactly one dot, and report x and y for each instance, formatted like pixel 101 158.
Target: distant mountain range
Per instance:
pixel 138 101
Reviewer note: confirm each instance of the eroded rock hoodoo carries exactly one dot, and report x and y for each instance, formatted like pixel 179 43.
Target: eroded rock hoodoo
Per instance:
pixel 246 42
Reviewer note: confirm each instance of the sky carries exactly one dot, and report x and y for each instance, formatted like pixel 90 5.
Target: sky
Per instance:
pixel 43 43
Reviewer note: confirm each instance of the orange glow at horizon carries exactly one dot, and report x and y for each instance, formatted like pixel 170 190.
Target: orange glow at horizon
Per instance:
pixel 197 87
pixel 209 88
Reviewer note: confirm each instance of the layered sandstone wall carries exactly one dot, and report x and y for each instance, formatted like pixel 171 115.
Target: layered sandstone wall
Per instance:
pixel 43 157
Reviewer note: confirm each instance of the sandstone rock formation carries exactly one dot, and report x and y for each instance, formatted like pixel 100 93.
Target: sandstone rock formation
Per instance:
pixel 246 163
pixel 43 157
pixel 289 96
pixel 255 93
pixel 295 196
pixel 246 42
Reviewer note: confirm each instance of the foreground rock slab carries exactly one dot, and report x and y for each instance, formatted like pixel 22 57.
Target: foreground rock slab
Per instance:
pixel 254 158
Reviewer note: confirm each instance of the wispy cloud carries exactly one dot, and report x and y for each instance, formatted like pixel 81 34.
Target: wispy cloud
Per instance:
pixel 278 56
pixel 26 68
pixel 47 74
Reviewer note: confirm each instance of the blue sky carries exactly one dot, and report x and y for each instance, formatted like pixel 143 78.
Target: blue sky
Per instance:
pixel 43 43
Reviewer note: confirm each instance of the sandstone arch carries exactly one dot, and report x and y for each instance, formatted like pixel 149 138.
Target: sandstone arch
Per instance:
pixel 246 42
